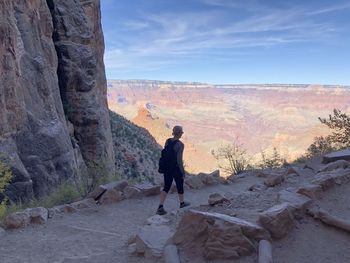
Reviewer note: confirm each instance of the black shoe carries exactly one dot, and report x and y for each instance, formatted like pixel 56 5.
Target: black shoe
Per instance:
pixel 161 211
pixel 184 204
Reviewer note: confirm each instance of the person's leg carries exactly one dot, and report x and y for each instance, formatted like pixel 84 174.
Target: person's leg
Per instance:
pixel 168 179
pixel 179 180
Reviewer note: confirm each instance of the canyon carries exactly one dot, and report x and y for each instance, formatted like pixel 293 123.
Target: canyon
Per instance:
pixel 259 117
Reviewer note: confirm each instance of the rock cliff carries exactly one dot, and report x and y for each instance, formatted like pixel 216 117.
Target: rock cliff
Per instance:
pixel 53 107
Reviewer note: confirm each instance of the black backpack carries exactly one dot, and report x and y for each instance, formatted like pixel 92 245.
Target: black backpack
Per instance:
pixel 168 160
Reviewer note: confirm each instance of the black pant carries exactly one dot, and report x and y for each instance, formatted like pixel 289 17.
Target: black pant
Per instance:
pixel 179 180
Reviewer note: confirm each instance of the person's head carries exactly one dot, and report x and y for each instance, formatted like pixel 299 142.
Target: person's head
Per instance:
pixel 177 131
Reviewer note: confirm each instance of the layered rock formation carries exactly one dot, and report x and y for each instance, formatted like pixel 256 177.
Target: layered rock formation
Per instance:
pixel 36 140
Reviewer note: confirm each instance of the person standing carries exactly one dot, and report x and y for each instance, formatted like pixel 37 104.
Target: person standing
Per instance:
pixel 175 170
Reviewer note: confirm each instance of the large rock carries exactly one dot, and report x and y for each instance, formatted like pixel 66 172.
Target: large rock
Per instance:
pixel 194 182
pixel 312 191
pixel 278 220
pixel 340 164
pixel 297 201
pixel 274 179
pixel 34 140
pixel 151 240
pixel 148 189
pixel 216 198
pixel 38 215
pixel 101 189
pixel 79 45
pixel 338 155
pixel 85 203
pixel 110 196
pixel 215 235
pixel 131 192
pixel 46 58
pixel 16 220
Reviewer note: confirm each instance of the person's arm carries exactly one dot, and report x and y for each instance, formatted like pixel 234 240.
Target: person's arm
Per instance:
pixel 179 156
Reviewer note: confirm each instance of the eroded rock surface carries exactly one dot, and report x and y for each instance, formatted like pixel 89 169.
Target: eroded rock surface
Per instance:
pixel 51 63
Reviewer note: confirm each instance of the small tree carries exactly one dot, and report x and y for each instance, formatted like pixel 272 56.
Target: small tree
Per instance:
pixel 320 146
pixel 233 157
pixel 275 160
pixel 339 123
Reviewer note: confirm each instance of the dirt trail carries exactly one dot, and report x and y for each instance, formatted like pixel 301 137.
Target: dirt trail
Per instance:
pixel 100 236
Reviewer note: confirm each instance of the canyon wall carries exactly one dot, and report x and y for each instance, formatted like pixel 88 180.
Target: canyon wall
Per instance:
pixel 53 108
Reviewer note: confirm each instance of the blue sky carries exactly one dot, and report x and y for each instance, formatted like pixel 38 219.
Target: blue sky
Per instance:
pixel 228 41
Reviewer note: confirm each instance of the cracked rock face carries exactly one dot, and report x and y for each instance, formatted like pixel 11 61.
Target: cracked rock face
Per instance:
pixel 34 139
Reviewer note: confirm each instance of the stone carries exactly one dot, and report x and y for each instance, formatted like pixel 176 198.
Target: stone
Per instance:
pixel 335 156
pixel 215 174
pixel 194 182
pixel 215 236
pixel 148 189
pixel 85 203
pixel 110 196
pixel 273 180
pixel 151 240
pixel 278 220
pixel 157 220
pixel 38 215
pixel 116 185
pixel 66 208
pixel 325 180
pixel 291 171
pixel 216 198
pixel 265 252
pixel 340 164
pixel 131 192
pixel 297 201
pixel 312 191
pixel 132 248
pixel 16 220
pixel 171 254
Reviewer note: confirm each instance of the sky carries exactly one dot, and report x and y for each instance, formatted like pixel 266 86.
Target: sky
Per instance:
pixel 228 41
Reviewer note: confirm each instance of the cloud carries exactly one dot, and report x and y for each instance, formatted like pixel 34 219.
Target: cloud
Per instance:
pixel 164 38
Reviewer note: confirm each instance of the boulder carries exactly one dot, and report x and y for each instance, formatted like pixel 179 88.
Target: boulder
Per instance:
pixel 291 170
pixel 335 156
pixel 171 255
pixel 265 252
pixel 116 185
pixel 110 196
pixel 85 203
pixel 312 191
pixel 273 180
pixel 340 164
pixel 131 192
pixel 194 182
pixel 297 201
pixel 215 235
pixel 67 208
pixel 215 174
pixel 216 199
pixel 278 220
pixel 325 180
pixel 148 189
pixel 151 240
pixel 16 220
pixel 38 215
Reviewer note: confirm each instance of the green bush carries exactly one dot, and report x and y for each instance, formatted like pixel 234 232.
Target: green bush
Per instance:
pixel 5 179
pixel 275 160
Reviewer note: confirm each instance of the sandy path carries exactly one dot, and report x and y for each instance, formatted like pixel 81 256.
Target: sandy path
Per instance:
pixel 100 236
pixel 94 236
